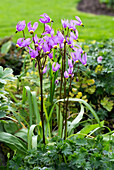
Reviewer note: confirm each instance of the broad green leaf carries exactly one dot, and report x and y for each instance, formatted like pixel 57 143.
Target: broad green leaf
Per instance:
pixel 22 134
pixel 2 114
pixel 7 71
pixel 30 135
pixel 35 106
pixel 5 47
pixel 14 141
pixel 34 142
pixel 88 128
pixel 11 127
pixel 29 102
pixel 1 71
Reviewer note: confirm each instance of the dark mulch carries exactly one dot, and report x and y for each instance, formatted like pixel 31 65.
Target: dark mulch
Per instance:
pixel 93 6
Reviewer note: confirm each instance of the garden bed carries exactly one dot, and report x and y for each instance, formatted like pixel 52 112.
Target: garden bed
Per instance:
pixel 95 7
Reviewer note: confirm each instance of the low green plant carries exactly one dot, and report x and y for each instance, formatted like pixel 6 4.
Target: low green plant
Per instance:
pixel 73 153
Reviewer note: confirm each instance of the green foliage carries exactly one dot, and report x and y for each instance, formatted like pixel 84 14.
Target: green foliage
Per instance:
pixel 95 81
pixel 67 154
pixel 10 56
pixel 5 76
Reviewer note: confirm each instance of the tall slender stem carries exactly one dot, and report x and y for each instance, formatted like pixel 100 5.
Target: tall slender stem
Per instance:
pixel 42 116
pixel 60 95
pixel 65 90
pixel 41 92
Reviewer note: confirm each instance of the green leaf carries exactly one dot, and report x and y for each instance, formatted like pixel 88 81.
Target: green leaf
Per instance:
pixel 13 141
pixel 31 139
pixel 7 71
pixel 22 134
pixel 107 104
pixel 11 127
pixel 35 106
pixel 29 102
pixel 76 120
pixel 85 103
pixel 88 128
pixel 5 47
pixel 1 71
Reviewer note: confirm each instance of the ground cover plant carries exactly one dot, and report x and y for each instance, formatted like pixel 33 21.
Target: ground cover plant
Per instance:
pixel 69 154
pixel 54 59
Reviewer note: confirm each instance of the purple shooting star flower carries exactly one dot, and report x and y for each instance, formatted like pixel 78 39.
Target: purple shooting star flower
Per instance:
pixel 33 53
pixel 76 55
pixel 99 59
pixel 71 25
pixel 55 66
pixel 32 29
pixel 70 63
pixel 66 75
pixel 84 59
pixel 48 30
pixel 20 26
pixel 70 41
pixel 57 82
pixel 45 19
pixel 75 37
pixel 19 42
pixel 78 22
pixel 35 40
pixel 44 70
pixel 50 55
pixel 46 48
pixel 64 23
pixel 70 72
pixel 26 42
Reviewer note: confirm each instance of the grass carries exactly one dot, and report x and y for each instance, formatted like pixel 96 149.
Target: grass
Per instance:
pixel 97 27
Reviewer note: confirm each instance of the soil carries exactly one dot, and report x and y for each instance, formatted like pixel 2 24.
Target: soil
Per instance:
pixel 93 6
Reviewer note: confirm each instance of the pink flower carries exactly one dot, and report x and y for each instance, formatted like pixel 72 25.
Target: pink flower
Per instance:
pixel 45 69
pixel 33 53
pixel 84 59
pixel 32 29
pixel 70 63
pixel 50 55
pixel 45 19
pixel 21 42
pixel 55 66
pixel 20 26
pixel 64 23
pixel 48 30
pixel 57 82
pixel 71 25
pixel 70 72
pixel 99 59
pixel 78 22
pixel 66 75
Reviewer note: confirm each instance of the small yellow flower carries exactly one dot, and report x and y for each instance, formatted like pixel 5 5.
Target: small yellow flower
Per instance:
pixel 27 74
pixel 74 89
pixel 80 94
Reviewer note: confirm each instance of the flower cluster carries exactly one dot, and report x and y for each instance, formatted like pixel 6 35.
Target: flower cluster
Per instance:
pixel 50 40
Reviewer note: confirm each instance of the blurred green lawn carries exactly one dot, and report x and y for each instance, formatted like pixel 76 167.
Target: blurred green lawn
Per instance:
pixel 11 11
